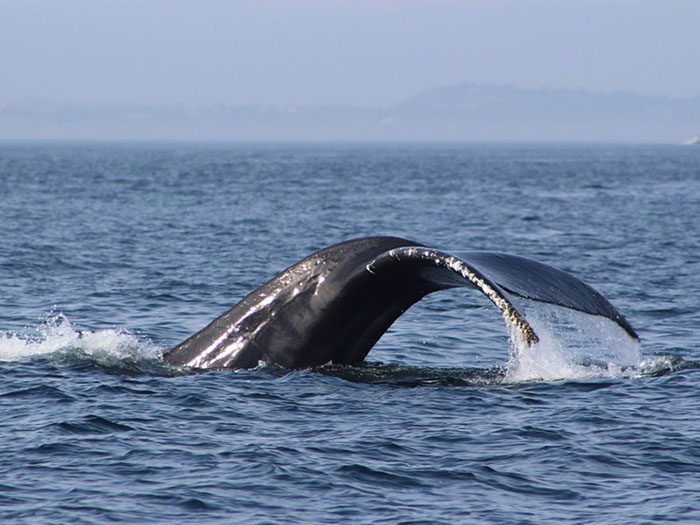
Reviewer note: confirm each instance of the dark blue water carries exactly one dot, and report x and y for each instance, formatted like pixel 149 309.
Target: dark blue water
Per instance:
pixel 112 253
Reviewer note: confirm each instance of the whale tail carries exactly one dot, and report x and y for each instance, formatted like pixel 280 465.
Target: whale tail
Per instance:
pixel 335 304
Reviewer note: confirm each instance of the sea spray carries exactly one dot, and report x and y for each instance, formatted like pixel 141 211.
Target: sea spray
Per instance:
pixel 572 345
pixel 56 337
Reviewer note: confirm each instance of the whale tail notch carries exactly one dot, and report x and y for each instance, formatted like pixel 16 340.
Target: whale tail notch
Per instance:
pixel 334 305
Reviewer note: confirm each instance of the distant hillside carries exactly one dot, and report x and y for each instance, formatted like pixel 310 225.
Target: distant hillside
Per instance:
pixel 469 112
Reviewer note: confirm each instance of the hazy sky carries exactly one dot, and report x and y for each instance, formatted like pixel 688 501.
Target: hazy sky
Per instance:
pixel 339 51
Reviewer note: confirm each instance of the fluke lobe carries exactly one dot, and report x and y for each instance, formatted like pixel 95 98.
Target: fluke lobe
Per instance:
pixel 335 304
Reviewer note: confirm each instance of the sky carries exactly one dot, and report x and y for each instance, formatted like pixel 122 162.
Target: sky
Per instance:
pixel 347 52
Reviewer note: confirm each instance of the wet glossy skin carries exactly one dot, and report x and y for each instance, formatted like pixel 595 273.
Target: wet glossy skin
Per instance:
pixel 334 305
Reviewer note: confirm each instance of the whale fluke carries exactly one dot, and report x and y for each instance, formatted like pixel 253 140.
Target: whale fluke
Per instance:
pixel 335 304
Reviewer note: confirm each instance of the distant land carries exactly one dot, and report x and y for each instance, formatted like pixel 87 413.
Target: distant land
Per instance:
pixel 467 112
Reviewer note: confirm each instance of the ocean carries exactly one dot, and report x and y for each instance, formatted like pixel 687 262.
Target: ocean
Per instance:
pixel 111 253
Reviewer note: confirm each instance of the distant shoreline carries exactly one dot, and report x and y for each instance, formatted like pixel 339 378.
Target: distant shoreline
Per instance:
pixel 464 113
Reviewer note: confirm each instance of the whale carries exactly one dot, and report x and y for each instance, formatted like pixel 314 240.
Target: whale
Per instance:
pixel 335 304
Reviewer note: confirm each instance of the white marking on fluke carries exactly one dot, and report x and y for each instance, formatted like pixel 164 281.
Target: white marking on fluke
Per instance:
pixel 510 314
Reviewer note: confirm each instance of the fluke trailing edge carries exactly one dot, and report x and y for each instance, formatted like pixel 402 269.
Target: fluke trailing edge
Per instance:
pixel 334 305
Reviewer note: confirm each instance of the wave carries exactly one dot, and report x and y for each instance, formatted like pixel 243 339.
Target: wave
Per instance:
pixel 56 339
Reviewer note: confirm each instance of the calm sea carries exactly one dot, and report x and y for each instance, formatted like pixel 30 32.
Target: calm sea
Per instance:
pixel 112 253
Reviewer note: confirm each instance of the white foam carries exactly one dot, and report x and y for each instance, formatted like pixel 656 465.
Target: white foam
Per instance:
pixel 56 335
pixel 572 345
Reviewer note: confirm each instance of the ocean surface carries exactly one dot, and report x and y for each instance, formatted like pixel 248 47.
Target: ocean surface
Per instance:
pixel 112 253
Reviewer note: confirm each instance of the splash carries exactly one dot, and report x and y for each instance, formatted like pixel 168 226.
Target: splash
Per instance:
pixel 56 337
pixel 572 345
